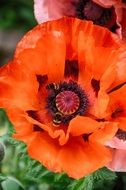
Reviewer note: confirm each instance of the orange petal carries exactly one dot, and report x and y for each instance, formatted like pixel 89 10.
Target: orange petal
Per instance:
pixel 79 158
pixel 81 125
pixel 76 158
pixel 54 132
pixel 121 66
pixel 46 57
pixel 17 89
pixel 100 105
pixel 117 99
pixel 88 54
pixel 21 125
pixel 46 152
pixel 105 133
pixel 63 33
pixel 23 130
pixel 89 64
pixel 110 70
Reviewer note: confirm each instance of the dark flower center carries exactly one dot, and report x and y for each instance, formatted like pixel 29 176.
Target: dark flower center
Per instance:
pixel 89 10
pixel 66 100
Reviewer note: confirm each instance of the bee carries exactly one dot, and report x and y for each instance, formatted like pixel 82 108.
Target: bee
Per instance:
pixel 53 86
pixel 57 119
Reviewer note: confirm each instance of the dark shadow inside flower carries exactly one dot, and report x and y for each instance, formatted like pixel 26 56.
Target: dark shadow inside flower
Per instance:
pixel 116 87
pixel 41 80
pixel 96 85
pixel 121 134
pixel 71 69
pixel 86 137
pixel 118 112
pixel 37 128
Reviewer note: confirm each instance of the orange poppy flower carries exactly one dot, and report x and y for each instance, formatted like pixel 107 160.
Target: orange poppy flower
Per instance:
pixel 106 13
pixel 55 94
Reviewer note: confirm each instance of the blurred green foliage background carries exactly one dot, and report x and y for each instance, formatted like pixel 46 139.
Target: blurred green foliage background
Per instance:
pixel 16 18
pixel 16 14
pixel 17 170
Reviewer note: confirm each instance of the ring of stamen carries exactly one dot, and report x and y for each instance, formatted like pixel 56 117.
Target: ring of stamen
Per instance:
pixel 67 102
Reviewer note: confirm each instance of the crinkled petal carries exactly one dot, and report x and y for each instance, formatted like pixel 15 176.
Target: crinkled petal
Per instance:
pixel 54 132
pixel 76 158
pixel 83 125
pixel 105 133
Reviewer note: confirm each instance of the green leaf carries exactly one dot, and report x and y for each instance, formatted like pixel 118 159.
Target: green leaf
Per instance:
pixel 104 174
pixel 59 177
pixel 11 184
pixel 38 173
pixel 15 142
pixel 23 20
pixel 35 170
pixel 85 183
pixel 2 177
